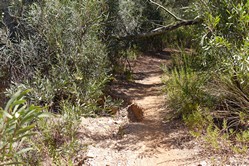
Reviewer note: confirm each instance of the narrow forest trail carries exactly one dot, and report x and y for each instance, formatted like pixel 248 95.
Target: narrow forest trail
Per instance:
pixel 120 142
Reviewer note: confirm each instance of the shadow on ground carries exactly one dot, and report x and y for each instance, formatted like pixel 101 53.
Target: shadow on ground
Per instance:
pixel 152 133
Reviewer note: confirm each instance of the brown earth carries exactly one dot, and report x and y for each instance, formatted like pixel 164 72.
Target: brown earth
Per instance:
pixel 140 136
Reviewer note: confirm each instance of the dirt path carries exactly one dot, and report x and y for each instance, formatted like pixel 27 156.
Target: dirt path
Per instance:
pixel 119 142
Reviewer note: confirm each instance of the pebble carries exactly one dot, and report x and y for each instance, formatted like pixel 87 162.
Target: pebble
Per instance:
pixel 203 163
pixel 90 155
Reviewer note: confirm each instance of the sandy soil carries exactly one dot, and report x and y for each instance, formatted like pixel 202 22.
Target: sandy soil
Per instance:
pixel 117 141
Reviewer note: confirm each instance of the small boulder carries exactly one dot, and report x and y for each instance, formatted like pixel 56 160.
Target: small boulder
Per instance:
pixel 135 113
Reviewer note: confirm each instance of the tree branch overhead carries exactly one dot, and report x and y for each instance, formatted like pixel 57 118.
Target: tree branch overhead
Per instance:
pixel 164 29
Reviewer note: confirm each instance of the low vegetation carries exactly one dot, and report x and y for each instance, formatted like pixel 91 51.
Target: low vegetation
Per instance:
pixel 210 89
pixel 56 49
pixel 66 52
pixel 17 123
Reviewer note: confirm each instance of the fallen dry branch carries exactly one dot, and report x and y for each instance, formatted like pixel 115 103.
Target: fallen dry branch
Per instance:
pixel 162 30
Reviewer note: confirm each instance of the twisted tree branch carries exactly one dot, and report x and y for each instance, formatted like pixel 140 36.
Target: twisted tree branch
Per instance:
pixel 168 11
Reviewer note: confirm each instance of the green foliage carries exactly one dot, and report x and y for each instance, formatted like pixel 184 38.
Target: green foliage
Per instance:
pixel 210 90
pixel 184 37
pixel 213 136
pixel 57 141
pixel 226 139
pixel 61 49
pixel 186 88
pixel 243 139
pixel 225 58
pixel 129 17
pixel 227 48
pixel 64 46
pixel 130 13
pixel 197 121
pixel 17 121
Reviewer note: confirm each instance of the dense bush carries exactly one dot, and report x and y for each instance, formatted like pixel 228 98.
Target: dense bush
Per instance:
pixel 57 50
pixel 61 56
pixel 186 88
pixel 212 87
pixel 61 49
pixel 227 46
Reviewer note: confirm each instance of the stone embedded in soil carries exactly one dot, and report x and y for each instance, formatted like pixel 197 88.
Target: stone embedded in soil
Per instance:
pixel 135 113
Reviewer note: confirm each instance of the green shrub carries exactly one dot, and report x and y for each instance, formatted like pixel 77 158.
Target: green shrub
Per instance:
pixel 213 90
pixel 17 121
pixel 186 89
pixel 56 143
pixel 64 46
pixel 227 47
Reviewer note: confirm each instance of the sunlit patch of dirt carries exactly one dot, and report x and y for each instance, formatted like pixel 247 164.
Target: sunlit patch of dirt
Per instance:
pixel 146 139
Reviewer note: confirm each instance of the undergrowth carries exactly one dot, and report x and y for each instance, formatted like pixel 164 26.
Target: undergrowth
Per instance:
pixel 210 90
pixel 61 39
pixel 214 108
pixel 18 121
pixel 56 49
